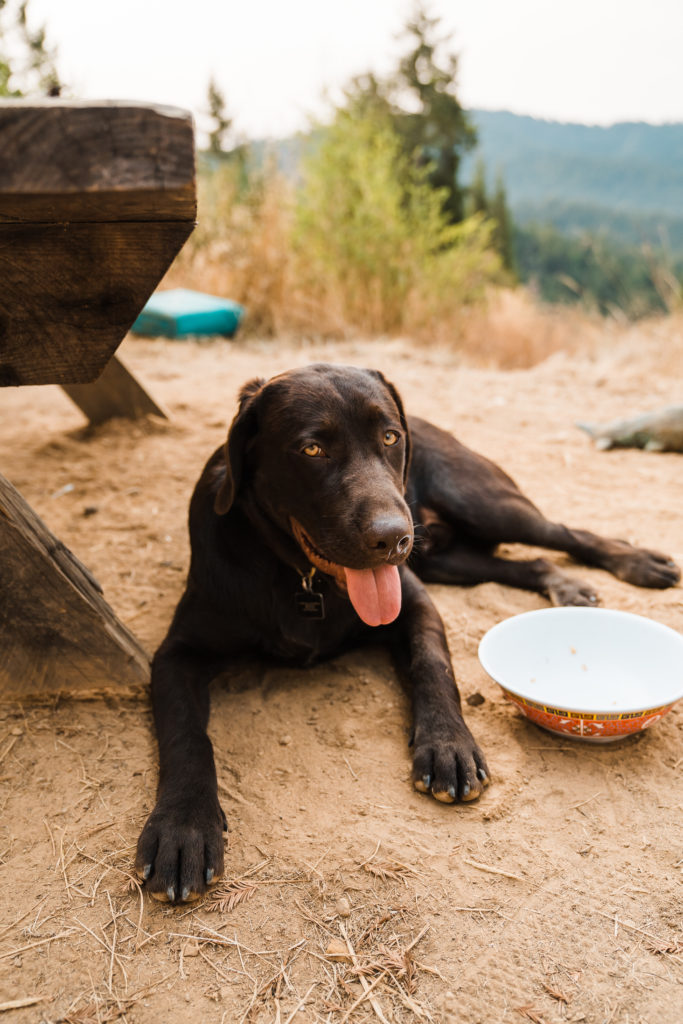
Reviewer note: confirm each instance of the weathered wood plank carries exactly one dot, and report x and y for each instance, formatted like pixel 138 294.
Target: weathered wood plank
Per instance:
pixel 70 292
pixel 115 393
pixel 58 207
pixel 72 161
pixel 57 633
pixel 95 202
pixel 96 199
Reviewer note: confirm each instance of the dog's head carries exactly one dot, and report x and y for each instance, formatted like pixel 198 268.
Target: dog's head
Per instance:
pixel 323 453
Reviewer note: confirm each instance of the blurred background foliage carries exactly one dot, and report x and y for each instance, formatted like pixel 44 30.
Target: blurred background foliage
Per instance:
pixel 404 211
pixel 581 215
pixel 28 65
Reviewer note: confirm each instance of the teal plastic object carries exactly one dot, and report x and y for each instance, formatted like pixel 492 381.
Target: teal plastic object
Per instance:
pixel 180 312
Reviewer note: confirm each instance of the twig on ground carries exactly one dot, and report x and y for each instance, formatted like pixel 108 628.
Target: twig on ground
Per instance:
pixel 662 944
pixel 32 945
pixel 18 1004
pixel 62 866
pixel 373 1001
pixel 492 870
pixel 8 748
pixel 18 920
pixel 575 807
pixel 531 1014
pixel 314 920
pixel 113 944
pixel 364 995
pixel 556 994
pixel 409 1002
pixel 89 1012
pixel 393 870
pixel 108 948
pixel 52 838
pixel 372 855
pixel 216 968
pixel 300 1004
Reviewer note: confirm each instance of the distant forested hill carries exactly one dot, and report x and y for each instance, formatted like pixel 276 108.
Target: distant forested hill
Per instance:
pixel 597 213
pixel 625 181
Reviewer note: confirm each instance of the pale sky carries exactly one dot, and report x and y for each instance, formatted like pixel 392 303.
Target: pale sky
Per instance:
pixel 592 61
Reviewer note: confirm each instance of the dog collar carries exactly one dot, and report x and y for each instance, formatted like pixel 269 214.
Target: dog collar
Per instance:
pixel 310 604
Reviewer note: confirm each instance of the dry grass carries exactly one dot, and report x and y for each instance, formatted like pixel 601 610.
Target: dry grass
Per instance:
pixel 513 331
pixel 249 246
pixel 243 250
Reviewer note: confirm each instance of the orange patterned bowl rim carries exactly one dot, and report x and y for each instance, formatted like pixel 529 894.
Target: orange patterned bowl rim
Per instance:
pixel 607 725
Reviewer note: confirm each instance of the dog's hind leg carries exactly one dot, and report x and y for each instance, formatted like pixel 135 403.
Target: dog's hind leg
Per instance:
pixel 639 566
pixel 465 566
pixel 521 522
pixel 486 508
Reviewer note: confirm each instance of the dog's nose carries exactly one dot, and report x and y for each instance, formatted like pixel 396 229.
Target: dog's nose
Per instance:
pixel 404 544
pixel 389 536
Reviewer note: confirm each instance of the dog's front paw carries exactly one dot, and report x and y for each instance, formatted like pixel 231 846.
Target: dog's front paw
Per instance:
pixel 450 765
pixel 564 591
pixel 180 850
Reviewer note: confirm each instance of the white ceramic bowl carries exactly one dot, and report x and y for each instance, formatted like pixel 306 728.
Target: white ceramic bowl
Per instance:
pixel 586 673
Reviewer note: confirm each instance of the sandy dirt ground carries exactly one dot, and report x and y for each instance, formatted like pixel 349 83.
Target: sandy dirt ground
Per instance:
pixel 556 897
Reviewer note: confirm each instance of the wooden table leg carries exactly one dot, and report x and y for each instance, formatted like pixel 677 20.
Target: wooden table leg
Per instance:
pixel 115 393
pixel 58 636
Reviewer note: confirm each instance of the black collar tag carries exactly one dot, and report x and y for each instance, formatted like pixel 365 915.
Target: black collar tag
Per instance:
pixel 309 603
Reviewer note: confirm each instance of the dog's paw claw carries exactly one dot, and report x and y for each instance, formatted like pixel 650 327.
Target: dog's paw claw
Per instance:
pixel 180 850
pixel 451 768
pixel 424 784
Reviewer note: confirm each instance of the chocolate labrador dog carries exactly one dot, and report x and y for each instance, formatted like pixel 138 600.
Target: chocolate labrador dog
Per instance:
pixel 312 528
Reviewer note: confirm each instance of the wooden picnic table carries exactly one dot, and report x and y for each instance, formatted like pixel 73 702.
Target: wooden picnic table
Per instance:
pixel 96 199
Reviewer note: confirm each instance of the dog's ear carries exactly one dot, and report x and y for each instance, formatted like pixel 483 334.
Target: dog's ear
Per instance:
pixel 404 423
pixel 242 429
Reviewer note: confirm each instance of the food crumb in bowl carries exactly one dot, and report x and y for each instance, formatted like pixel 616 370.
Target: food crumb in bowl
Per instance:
pixel 572 650
pixel 584 668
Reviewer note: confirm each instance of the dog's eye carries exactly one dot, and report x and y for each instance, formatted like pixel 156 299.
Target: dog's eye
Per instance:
pixel 314 451
pixel 390 437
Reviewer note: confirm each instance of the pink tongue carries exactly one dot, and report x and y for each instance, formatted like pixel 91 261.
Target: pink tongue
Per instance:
pixel 375 593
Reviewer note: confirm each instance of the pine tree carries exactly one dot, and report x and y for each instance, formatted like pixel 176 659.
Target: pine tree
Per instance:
pixel 222 124
pixel 439 130
pixel 420 102
pixel 477 196
pixel 503 233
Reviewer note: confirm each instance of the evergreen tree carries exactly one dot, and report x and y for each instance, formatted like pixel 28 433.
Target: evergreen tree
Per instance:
pixel 494 208
pixel 503 231
pixel 439 131
pixel 419 99
pixel 477 196
pixel 221 123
